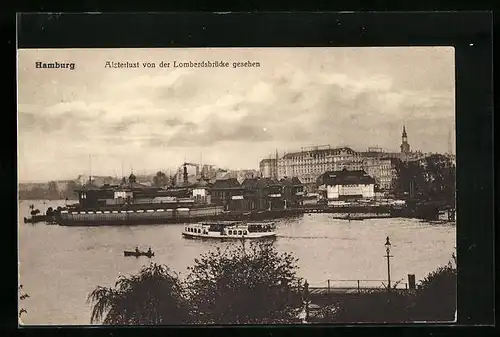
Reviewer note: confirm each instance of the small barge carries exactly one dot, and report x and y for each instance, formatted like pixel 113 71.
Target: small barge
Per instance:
pixel 229 230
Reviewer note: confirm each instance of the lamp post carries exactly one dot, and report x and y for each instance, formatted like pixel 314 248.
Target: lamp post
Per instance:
pixel 388 256
pixel 306 301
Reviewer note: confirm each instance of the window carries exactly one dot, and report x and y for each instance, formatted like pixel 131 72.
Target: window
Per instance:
pixel 239 232
pixel 244 232
pixel 230 232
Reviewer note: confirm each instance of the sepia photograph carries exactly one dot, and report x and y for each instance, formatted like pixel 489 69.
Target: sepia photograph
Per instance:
pixel 236 186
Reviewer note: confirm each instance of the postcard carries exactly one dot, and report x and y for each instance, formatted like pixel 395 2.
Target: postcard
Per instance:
pixel 180 186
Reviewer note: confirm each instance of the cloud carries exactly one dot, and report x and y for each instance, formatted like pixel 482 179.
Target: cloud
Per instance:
pixel 300 98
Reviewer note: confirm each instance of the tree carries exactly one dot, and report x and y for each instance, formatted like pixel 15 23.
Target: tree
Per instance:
pixel 431 178
pixel 243 286
pixel 160 179
pixel 154 296
pixel 436 296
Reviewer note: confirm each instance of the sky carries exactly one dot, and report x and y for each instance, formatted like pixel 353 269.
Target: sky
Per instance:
pixel 99 120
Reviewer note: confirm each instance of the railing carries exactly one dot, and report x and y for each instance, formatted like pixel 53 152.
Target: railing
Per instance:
pixel 359 285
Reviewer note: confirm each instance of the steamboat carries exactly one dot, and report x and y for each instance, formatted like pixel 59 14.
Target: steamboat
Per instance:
pixel 230 230
pixel 131 203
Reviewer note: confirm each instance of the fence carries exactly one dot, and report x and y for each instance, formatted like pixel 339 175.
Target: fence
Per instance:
pixel 364 284
pixel 335 286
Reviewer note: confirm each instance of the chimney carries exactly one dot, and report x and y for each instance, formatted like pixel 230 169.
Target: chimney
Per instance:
pixel 185 175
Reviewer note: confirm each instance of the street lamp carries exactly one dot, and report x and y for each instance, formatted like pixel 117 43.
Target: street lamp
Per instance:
pixel 306 301
pixel 388 256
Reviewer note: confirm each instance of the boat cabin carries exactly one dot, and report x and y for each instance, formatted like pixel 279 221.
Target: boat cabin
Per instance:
pixel 229 229
pixel 260 228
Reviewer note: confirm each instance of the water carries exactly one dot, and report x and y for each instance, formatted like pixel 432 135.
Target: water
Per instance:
pixel 59 266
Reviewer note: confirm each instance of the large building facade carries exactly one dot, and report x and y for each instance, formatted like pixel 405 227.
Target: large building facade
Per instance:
pixel 310 163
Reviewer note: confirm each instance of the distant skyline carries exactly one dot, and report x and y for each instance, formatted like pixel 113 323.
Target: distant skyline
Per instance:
pixel 154 119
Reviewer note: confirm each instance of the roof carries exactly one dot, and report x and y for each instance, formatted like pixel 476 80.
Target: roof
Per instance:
pixel 268 181
pixel 201 183
pixel 294 181
pixel 226 183
pixel 250 183
pixel 268 160
pixel 345 177
pixel 88 187
pixel 372 154
pixel 136 186
pixel 333 151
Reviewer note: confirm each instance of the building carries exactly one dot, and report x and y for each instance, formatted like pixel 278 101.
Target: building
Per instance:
pixel 268 168
pixel 200 192
pixel 346 185
pixel 405 147
pixel 241 175
pixel 308 164
pixel 293 192
pixel 257 194
pixel 381 166
pixel 186 174
pixel 264 193
pixel 382 169
pixel 225 191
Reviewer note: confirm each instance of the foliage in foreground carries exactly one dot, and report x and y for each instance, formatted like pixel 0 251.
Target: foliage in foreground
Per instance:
pixel 255 285
pixel 239 285
pixel 436 295
pixel 243 286
pixel 154 296
pixel 433 300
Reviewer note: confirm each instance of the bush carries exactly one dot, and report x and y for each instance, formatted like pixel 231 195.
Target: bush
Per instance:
pixel 154 296
pixel 255 285
pixel 436 295
pixel 240 286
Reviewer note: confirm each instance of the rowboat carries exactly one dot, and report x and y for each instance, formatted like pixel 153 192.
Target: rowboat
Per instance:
pixel 137 254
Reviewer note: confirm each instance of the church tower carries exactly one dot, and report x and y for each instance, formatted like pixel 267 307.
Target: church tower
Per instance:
pixel 405 147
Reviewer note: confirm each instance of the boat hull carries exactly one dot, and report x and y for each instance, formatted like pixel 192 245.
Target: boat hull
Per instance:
pixel 38 218
pixel 218 236
pixel 135 217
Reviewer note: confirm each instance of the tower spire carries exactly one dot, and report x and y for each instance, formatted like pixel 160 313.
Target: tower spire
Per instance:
pixel 405 147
